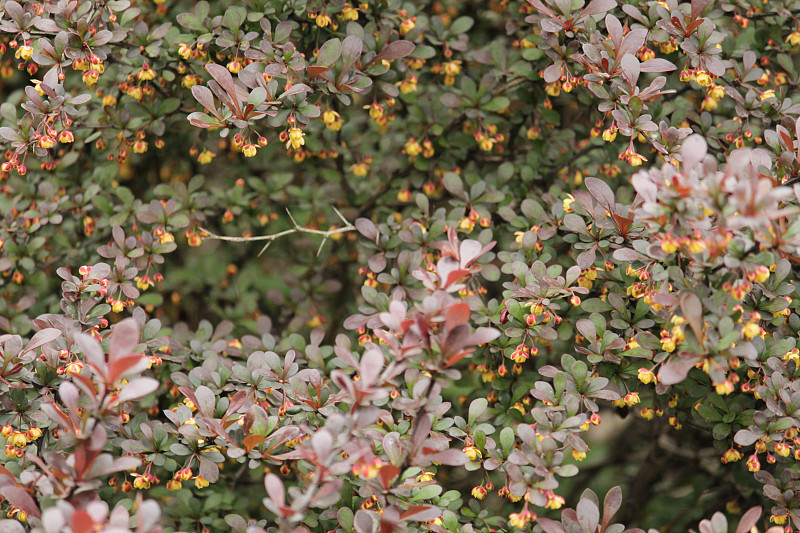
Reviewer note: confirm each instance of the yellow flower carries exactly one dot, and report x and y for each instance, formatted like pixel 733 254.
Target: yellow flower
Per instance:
pixel 17 439
pixel 479 492
pixel 425 476
pixel 140 482
pixel 409 85
pixel 205 157
pixel 703 78
pixel 249 150
pixel 473 453
pixel 647 376
pixel 296 139
pixel 146 74
pixel 750 330
pixel 668 344
pixel 521 519
pixel 632 398
pixel 568 201
pixel 412 147
pixel 200 482
pixel 407 25
pixel 360 169
pixel 452 68
pixel 24 52
pixel 349 12
pixel 731 456
pixel 578 456
pixel 793 38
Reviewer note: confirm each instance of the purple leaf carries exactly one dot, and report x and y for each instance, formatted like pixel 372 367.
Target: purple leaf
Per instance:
pixel 553 72
pixel 693 312
pixel 596 7
pixel 394 50
pixel 482 336
pixel 296 89
pixel 208 469
pixel 69 395
pixel 204 95
pixel 370 366
pixel 745 437
pixel 124 338
pixel 550 526
pixel 366 228
pixel 601 192
pixel 451 457
pixel 693 151
pixel 588 514
pixel 614 30
pixel 749 520
pixel 138 388
pixel 631 68
pixel 674 372
pixel 19 497
pixel 223 77
pixel 658 65
pixel 41 338
pixel 611 504
pixel 322 443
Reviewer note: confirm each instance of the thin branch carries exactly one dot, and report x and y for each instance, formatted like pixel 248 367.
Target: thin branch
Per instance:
pixel 296 229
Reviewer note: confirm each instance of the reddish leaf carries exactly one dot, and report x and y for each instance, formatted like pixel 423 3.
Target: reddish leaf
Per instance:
pixel 394 50
pixel 315 71
pixel 386 474
pixel 389 519
pixel 550 526
pixel 457 314
pixel 623 223
pixel 454 277
pixel 123 366
pixel 421 513
pixel 698 6
pixel 251 441
pixel 81 522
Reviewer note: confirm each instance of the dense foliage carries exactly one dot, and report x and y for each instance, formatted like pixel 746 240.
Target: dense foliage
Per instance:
pixel 426 266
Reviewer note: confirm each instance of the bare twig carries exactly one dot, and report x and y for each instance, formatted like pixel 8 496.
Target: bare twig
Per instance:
pixel 296 229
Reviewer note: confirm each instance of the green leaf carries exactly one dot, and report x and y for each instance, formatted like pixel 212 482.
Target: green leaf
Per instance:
pixel 476 409
pixel 507 440
pixel 460 25
pixel 499 103
pixel 425 493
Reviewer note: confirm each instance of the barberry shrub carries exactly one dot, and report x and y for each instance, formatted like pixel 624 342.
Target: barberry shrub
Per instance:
pixel 444 266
